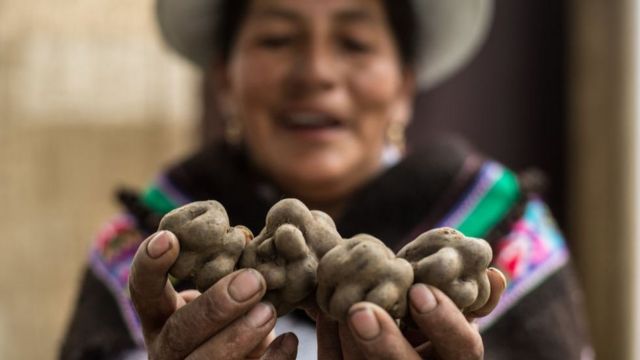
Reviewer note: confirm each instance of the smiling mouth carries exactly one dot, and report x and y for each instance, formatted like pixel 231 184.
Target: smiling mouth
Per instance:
pixel 309 121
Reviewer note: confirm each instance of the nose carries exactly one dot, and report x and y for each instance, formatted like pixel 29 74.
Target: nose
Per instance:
pixel 314 69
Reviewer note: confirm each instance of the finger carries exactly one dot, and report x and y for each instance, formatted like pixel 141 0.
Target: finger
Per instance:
pixel 425 350
pixel 238 339
pixel 376 334
pixel 348 343
pixel 189 295
pixel 285 347
pixel 328 338
pixel 451 336
pixel 227 300
pixel 262 347
pixel 498 283
pixel 312 310
pixel 152 294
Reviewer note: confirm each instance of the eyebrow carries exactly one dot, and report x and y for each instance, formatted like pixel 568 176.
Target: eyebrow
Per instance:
pixel 278 13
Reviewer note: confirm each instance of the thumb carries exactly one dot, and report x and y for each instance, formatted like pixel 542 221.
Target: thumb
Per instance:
pixel 152 294
pixel 443 324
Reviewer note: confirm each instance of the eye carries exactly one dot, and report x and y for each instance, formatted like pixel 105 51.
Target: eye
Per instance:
pixel 275 41
pixel 355 45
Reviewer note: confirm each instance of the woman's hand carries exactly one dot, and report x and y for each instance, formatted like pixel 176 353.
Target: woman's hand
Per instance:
pixel 227 321
pixel 372 334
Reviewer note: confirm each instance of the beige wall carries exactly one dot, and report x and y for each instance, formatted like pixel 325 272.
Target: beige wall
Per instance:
pixel 89 99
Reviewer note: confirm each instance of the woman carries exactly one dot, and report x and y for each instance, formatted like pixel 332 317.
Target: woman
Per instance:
pixel 316 95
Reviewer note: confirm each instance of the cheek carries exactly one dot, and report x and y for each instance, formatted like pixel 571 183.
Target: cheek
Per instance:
pixel 375 93
pixel 376 86
pixel 249 77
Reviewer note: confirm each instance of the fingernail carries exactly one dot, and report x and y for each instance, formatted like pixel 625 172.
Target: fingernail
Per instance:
pixel 245 285
pixel 159 244
pixel 365 323
pixel 260 314
pixel 504 278
pixel 422 298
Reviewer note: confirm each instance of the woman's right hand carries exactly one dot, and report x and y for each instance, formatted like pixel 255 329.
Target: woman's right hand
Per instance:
pixel 227 321
pixel 443 331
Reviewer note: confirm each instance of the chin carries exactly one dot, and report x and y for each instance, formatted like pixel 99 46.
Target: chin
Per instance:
pixel 320 174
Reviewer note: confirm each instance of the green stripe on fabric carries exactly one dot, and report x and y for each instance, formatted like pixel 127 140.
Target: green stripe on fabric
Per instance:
pixel 158 201
pixel 493 206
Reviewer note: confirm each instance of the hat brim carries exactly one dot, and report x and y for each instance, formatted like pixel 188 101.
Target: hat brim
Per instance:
pixel 451 32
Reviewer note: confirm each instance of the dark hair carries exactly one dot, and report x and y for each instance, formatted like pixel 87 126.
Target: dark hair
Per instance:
pixel 400 14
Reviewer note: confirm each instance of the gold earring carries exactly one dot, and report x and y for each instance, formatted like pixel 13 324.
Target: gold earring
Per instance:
pixel 396 135
pixel 233 130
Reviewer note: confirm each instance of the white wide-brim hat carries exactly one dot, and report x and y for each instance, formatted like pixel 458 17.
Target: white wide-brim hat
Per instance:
pixel 451 32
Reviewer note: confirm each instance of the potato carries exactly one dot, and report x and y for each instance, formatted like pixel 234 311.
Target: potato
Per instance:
pixel 363 269
pixel 287 252
pixel 304 260
pixel 453 263
pixel 209 246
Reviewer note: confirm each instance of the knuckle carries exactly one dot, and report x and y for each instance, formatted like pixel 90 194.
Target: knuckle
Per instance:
pixel 135 297
pixel 201 356
pixel 384 347
pixel 138 284
pixel 476 348
pixel 238 339
pixel 172 342
pixel 218 309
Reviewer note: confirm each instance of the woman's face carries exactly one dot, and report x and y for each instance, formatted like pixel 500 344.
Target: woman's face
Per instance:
pixel 315 85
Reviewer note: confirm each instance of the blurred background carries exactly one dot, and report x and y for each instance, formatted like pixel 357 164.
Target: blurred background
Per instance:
pixel 90 99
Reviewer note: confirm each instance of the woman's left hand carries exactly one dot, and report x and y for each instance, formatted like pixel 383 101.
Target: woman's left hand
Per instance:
pixel 370 333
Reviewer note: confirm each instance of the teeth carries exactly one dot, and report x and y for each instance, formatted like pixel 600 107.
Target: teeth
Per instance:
pixel 308 120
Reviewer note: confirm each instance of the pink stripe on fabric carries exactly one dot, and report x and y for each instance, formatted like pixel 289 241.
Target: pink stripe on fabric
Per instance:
pixel 525 286
pixel 111 265
pixel 112 228
pixel 124 302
